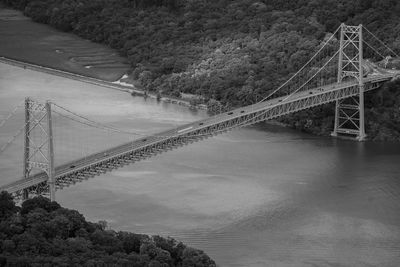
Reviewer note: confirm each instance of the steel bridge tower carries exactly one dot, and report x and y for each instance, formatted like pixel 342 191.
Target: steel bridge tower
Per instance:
pixel 38 144
pixel 349 115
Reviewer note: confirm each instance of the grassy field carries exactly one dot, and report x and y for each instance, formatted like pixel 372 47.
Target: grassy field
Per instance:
pixel 27 41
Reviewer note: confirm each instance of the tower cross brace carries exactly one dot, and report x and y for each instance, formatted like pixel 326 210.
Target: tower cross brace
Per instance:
pixel 349 112
pixel 38 143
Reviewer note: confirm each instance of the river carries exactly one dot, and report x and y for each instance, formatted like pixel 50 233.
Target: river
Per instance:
pixel 259 196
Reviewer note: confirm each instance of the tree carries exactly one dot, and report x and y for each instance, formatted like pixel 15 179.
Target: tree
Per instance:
pixel 195 258
pixel 46 234
pixel 131 242
pixel 39 202
pixel 7 205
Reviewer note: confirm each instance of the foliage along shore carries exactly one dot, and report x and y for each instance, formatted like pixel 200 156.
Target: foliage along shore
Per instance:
pixel 42 233
pixel 230 53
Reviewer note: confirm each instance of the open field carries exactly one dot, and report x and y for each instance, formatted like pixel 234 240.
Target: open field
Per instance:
pixel 24 40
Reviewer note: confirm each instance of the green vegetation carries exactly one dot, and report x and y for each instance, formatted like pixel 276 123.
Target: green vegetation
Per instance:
pixel 42 233
pixel 230 52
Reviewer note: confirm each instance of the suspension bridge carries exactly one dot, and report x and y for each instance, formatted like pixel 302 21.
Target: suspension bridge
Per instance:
pixel 337 72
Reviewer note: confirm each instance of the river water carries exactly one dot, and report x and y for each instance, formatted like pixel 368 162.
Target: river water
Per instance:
pixel 259 196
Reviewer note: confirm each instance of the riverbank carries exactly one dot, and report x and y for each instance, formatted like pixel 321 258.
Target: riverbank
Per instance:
pixel 66 74
pixel 41 48
pixel 116 85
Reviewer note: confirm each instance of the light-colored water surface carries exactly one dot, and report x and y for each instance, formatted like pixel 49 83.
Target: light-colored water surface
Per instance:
pixel 260 196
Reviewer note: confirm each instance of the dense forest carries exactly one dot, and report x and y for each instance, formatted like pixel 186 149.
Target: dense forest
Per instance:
pixel 42 233
pixel 230 52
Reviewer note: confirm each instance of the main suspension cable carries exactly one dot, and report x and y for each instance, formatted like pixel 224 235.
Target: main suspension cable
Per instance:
pixel 376 51
pixel 312 77
pixel 11 140
pixel 302 68
pixel 92 123
pixel 12 113
pixel 373 35
pixel 101 126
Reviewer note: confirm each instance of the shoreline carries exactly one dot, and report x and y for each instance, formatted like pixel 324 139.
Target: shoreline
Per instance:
pixel 55 53
pixel 65 74
pixel 111 85
pixel 116 85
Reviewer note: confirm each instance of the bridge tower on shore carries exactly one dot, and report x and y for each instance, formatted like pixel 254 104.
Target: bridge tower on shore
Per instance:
pixel 349 114
pixel 38 144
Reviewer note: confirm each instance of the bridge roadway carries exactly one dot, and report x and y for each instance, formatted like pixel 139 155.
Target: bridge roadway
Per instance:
pixel 145 147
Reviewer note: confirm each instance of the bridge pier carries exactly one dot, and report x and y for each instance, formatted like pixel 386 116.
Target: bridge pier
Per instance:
pixel 361 135
pixel 350 118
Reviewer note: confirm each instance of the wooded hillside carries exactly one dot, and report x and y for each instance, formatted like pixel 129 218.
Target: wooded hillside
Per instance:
pixel 42 233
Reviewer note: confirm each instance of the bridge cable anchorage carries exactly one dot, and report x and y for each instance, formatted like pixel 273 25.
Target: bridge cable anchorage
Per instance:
pixel 12 113
pixel 379 40
pixel 302 68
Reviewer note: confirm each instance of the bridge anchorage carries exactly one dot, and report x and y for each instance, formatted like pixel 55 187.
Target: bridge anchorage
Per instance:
pixel 337 72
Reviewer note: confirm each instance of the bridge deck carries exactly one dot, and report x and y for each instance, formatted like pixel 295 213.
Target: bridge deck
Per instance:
pixel 109 159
